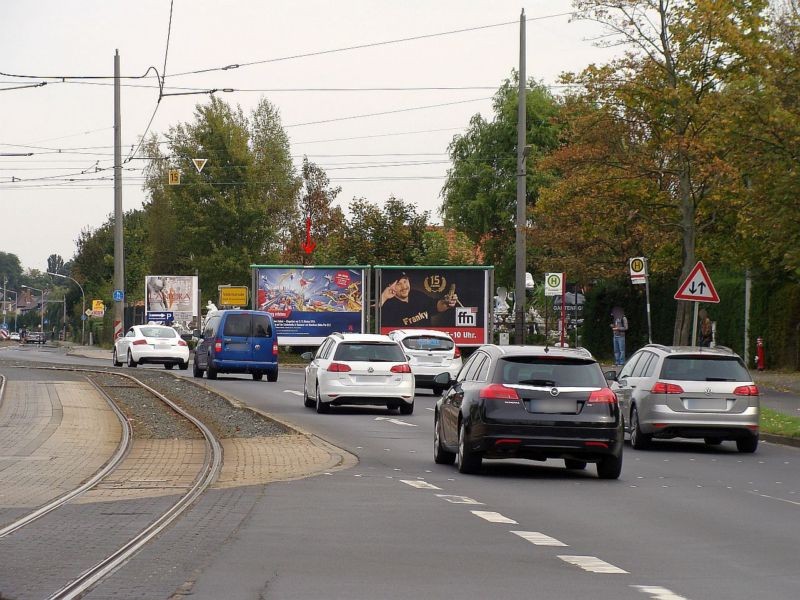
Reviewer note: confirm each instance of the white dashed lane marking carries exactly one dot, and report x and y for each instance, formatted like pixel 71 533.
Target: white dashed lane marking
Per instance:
pixel 591 564
pixel 395 421
pixel 458 499
pixel 420 485
pixel 539 539
pixel 295 392
pixel 493 517
pixel 658 593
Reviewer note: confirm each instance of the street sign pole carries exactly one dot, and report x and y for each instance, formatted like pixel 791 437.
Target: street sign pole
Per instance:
pixel 649 321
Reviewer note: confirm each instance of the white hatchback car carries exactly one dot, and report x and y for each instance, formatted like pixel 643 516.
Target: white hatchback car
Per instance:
pixel 429 352
pixel 156 344
pixel 356 368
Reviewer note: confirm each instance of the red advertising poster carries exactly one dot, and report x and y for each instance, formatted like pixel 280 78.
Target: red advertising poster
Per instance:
pixel 449 299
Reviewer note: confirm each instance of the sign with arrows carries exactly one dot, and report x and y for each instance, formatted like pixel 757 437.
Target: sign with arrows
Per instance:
pixel 698 287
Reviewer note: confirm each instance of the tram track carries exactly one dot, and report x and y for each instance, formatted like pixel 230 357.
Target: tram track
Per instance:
pixel 85 577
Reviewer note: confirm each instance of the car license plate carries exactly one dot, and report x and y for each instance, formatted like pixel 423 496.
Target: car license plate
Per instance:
pixel 162 347
pixel 430 360
pixel 553 406
pixel 705 404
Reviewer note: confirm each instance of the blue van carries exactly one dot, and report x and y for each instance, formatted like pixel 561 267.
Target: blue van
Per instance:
pixel 238 341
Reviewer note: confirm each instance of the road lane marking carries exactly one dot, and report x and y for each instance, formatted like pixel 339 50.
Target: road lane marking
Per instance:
pixel 395 421
pixel 774 498
pixel 430 409
pixel 295 392
pixel 420 485
pixel 493 517
pixel 538 539
pixel 591 564
pixel 658 593
pixel 458 499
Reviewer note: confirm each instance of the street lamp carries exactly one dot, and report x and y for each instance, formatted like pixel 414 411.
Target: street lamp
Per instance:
pixel 7 291
pixel 41 311
pixel 83 299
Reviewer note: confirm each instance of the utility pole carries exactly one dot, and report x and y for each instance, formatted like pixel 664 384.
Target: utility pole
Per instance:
pixel 519 293
pixel 119 253
pixel 5 281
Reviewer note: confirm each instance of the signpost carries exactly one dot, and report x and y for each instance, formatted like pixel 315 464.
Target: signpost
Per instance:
pixel 554 285
pixel 697 287
pixel 231 295
pixel 164 317
pixel 640 275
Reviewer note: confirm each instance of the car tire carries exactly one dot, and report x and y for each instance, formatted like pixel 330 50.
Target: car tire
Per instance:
pixel 575 465
pixel 183 366
pixel 639 439
pixel 609 467
pixel 308 401
pixel 196 370
pixel 406 409
pixel 211 372
pixel 272 375
pixel 468 461
pixel 258 376
pixel 115 359
pixel 391 406
pixel 441 456
pixel 437 390
pixel 322 407
pixel 747 445
pixel 712 441
pixel 131 363
pixel 169 366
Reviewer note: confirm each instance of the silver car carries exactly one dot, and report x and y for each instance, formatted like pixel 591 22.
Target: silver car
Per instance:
pixel 690 392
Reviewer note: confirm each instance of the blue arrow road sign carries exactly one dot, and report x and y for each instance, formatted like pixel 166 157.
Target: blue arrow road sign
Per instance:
pixel 118 295
pixel 161 317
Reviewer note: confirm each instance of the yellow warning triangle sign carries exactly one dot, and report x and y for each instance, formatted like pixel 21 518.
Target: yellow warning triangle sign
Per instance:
pixel 199 163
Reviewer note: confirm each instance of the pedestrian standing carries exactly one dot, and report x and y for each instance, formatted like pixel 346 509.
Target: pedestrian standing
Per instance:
pixel 706 329
pixel 619 325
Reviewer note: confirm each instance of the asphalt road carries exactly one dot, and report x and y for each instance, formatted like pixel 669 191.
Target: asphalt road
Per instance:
pixel 684 520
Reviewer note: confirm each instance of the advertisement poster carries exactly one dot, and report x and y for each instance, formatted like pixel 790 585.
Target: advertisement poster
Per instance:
pixel 176 294
pixel 451 299
pixel 310 303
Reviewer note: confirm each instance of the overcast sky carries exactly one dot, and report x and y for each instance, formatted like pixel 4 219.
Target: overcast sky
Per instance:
pixel 68 126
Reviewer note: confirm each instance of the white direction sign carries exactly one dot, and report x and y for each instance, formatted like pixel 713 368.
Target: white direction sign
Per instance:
pixel 697 286
pixel 638 269
pixel 553 284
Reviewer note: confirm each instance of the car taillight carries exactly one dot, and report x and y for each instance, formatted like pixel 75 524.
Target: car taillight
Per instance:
pixel 139 342
pixel 666 388
pixel 457 353
pixel 404 368
pixel 602 396
pixel 746 390
pixel 218 345
pixel 275 349
pixel 497 391
pixel 338 368
pixel 182 343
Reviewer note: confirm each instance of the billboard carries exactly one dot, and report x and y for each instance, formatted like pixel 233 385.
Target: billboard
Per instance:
pixel 176 294
pixel 308 303
pixel 450 299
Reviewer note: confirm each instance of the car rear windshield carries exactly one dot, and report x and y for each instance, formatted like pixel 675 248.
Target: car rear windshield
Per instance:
pixel 369 352
pixel 704 368
pixel 428 342
pixel 159 332
pixel 555 371
pixel 247 325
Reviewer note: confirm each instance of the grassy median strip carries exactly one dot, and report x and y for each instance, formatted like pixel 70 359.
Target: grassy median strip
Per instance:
pixel 779 424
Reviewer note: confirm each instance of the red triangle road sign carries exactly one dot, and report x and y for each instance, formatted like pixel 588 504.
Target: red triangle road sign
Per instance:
pixel 697 286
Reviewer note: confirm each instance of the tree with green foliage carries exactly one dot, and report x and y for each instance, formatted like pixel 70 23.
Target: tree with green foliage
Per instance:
pixel 10 268
pixel 55 264
pixel 479 195
pixel 446 247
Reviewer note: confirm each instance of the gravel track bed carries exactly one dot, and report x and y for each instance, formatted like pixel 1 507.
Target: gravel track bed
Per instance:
pixel 152 419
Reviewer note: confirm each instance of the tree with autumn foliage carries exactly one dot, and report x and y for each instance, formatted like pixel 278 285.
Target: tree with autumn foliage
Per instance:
pixel 645 166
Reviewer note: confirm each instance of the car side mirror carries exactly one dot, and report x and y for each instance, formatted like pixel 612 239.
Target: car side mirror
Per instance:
pixel 443 379
pixel 307 356
pixel 611 376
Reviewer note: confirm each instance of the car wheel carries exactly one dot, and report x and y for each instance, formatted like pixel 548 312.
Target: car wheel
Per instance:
pixel 322 407
pixel 406 409
pixel 258 376
pixel 211 372
pixel 308 402
pixel 183 366
pixel 114 359
pixel 468 461
pixel 576 465
pixel 712 441
pixel 131 362
pixel 609 467
pixel 272 375
pixel 169 366
pixel 196 370
pixel 748 444
pixel 441 456
pixel 639 439
pixel 437 390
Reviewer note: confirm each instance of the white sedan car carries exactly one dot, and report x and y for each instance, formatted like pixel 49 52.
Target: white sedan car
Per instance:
pixel 356 368
pixel 155 344
pixel 429 352
pixel 14 337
